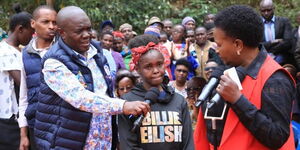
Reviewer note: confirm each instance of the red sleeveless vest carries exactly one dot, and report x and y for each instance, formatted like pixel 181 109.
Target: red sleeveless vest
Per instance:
pixel 235 135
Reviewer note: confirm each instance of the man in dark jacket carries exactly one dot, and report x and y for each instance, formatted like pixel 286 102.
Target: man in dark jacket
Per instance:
pixel 296 39
pixel 277 34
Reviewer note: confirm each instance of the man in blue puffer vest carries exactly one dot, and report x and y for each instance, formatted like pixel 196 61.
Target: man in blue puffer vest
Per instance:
pixel 74 104
pixel 44 23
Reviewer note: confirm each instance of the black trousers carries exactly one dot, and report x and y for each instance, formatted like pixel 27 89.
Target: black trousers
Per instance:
pixel 9 134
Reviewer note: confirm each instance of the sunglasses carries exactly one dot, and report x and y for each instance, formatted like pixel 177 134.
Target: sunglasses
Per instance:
pixel 192 89
pixel 209 68
pixel 180 70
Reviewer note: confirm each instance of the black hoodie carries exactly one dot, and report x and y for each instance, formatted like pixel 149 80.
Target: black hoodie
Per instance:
pixel 167 126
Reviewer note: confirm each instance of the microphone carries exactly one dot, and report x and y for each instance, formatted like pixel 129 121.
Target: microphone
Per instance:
pixel 150 98
pixel 212 83
pixel 241 73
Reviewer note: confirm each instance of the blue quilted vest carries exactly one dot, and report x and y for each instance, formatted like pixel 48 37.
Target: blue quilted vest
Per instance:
pixel 32 66
pixel 58 124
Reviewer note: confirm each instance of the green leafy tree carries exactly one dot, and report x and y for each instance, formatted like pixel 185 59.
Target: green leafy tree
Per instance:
pixel 138 12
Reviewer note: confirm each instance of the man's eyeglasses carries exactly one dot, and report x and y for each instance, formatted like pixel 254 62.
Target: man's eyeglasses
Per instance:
pixel 180 70
pixel 192 89
pixel 209 68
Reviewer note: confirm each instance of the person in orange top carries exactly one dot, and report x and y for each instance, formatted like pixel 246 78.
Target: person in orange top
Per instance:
pixel 258 116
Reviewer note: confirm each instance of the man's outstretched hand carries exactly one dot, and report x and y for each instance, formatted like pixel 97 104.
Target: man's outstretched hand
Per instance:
pixel 136 108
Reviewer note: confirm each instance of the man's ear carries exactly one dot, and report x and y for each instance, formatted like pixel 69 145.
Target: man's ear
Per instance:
pixel 19 28
pixel 32 22
pixel 61 32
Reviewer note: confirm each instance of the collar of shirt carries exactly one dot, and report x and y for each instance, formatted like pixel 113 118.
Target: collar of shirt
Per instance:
pixel 40 49
pixel 90 54
pixel 254 67
pixel 271 21
pixel 110 50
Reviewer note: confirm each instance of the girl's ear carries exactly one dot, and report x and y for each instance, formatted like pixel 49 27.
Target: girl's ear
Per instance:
pixel 138 69
pixel 117 93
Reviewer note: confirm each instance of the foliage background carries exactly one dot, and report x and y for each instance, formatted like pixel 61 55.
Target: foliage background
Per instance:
pixel 138 12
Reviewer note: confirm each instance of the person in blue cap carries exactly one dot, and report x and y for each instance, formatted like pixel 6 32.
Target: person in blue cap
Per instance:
pixel 107 25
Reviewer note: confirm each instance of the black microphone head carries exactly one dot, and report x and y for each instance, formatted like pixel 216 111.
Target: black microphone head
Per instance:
pixel 152 95
pixel 218 72
pixel 241 71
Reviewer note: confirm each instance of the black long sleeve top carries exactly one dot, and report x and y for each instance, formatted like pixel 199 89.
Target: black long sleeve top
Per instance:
pixel 270 124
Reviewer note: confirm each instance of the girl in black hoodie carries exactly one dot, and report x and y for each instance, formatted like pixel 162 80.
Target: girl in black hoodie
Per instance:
pixel 168 125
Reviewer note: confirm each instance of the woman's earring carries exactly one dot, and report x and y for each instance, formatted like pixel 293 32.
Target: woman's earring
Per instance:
pixel 238 53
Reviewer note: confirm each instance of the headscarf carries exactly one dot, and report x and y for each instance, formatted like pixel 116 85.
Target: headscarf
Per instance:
pixel 137 52
pixel 118 34
pixel 152 30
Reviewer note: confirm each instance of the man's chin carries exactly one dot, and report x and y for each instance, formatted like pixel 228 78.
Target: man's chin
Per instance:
pixel 85 48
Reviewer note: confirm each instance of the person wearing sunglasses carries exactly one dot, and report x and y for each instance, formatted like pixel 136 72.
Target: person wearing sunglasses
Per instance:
pixel 181 74
pixel 210 66
pixel 125 81
pixel 193 89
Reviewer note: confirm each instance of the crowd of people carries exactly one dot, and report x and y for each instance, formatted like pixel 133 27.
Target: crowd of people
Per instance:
pixel 65 85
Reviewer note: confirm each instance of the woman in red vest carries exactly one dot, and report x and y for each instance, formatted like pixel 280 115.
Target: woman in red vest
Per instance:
pixel 258 116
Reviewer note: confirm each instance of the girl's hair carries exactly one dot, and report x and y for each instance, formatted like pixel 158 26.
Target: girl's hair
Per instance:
pixel 142 40
pixel 20 18
pixel 104 33
pixel 184 62
pixel 122 73
pixel 198 82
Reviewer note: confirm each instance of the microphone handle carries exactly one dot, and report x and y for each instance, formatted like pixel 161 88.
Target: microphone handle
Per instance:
pixel 241 74
pixel 137 123
pixel 214 101
pixel 147 101
pixel 212 83
pixel 198 103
